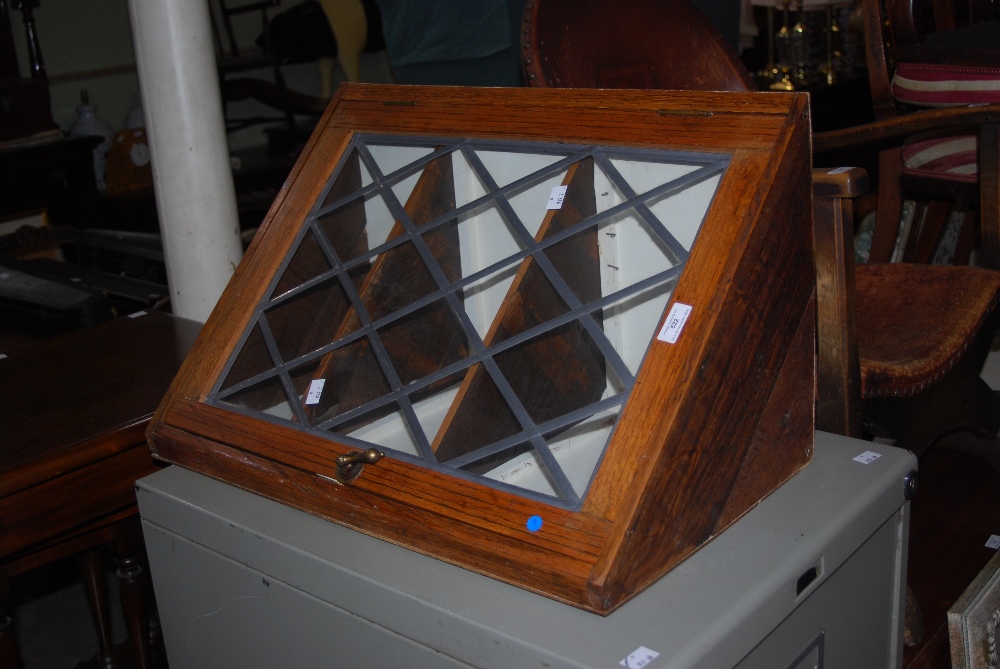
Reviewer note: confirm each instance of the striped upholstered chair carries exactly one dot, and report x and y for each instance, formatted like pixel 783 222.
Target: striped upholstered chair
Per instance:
pixel 934 74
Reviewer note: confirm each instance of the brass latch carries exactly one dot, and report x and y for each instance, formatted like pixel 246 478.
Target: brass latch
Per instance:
pixel 350 465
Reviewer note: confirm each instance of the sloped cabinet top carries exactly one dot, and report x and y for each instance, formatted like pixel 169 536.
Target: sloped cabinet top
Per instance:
pixel 566 326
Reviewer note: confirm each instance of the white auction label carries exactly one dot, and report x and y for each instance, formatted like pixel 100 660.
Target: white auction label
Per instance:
pixel 640 657
pixel 840 170
pixel 994 542
pixel 866 457
pixel 137 314
pixel 556 197
pixel 315 391
pixel 676 319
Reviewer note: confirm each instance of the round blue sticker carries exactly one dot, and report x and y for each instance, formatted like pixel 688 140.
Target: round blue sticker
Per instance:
pixel 534 523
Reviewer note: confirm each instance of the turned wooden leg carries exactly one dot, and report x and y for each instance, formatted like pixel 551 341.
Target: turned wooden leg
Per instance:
pixel 128 545
pixel 8 645
pixel 96 587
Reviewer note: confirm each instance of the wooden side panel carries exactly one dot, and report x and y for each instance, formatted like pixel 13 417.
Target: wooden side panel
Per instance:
pixel 784 439
pixel 732 367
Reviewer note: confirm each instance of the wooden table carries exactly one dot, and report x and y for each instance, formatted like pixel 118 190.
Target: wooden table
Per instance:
pixel 73 411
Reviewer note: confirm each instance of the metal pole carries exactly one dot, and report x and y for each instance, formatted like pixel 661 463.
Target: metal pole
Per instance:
pixel 192 179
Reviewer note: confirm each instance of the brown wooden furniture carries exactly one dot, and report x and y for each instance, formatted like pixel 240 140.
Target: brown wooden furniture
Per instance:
pixel 664 44
pixel 885 368
pixel 936 62
pixel 74 411
pixel 386 206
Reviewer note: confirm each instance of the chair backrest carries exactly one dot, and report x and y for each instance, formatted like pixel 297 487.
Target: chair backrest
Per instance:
pixel 222 12
pixel 905 31
pixel 664 44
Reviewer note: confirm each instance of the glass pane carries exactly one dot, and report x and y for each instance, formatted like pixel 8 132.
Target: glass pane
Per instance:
pixel 506 167
pixel 302 380
pixel 629 252
pixel 358 226
pixel 308 262
pixel 478 417
pixel 392 158
pixel 384 427
pixel 353 175
pixel 351 378
pixel 522 469
pixel 683 212
pixel 607 194
pixel 429 193
pixel 482 299
pixel 531 203
pixel 311 319
pixel 425 341
pixel 555 373
pixel 630 323
pixel 643 176
pixel 253 359
pixel 531 301
pixel 482 238
pixel 469 185
pixel 397 278
pixel 267 397
pixel 431 404
pixel 579 448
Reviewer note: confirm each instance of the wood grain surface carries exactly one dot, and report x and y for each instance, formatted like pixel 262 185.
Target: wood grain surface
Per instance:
pixel 729 398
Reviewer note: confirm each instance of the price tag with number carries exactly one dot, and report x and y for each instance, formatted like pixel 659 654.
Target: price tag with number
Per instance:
pixel 867 457
pixel 640 657
pixel 556 197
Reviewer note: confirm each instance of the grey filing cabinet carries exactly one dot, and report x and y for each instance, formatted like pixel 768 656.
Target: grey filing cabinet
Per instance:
pixel 812 577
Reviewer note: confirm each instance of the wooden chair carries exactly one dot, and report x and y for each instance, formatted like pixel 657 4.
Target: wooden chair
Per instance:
pixel 900 345
pixel 936 58
pixel 908 372
pixel 231 59
pixel 666 44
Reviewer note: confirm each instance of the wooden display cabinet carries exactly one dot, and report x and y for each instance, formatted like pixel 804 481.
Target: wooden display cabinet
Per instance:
pixel 558 337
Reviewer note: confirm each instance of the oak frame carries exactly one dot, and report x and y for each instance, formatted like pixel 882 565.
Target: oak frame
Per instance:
pixel 723 416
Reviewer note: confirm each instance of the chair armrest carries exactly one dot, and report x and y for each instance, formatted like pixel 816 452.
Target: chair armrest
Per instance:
pixel 838 379
pixel 892 130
